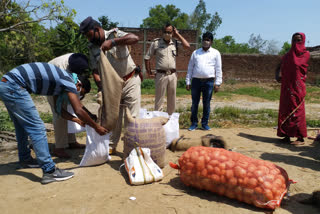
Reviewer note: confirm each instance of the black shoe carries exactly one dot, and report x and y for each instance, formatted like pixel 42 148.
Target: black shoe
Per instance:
pixel 31 163
pixel 56 175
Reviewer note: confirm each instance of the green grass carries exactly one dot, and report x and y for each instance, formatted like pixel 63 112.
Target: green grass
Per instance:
pixel 7 125
pixel 227 117
pixel 231 116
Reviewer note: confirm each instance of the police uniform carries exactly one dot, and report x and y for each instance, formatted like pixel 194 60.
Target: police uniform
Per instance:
pixel 166 77
pixel 62 138
pixel 121 60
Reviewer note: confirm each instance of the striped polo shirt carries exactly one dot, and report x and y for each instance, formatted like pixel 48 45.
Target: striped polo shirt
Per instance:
pixel 42 78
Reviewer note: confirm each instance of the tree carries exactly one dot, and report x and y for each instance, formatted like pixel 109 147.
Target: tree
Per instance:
pixel 65 38
pixel 272 47
pixel 159 16
pixel 285 48
pixel 106 23
pixel 256 42
pixel 14 15
pixel 202 21
pixel 228 45
pixel 22 38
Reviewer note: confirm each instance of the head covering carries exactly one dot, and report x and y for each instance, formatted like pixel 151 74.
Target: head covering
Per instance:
pixel 88 24
pixel 78 63
pixel 298 56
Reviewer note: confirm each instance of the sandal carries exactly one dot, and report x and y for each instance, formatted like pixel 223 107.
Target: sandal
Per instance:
pixel 299 141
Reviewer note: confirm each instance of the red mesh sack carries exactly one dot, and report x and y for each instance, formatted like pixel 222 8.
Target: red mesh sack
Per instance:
pixel 234 175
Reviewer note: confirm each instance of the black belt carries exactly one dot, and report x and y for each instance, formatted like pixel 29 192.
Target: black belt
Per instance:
pixel 204 79
pixel 168 72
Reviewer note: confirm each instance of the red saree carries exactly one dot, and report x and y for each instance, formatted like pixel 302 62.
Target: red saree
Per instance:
pixel 292 119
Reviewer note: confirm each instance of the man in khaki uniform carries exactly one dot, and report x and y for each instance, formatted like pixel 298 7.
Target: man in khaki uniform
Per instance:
pixel 72 63
pixel 165 77
pixel 115 45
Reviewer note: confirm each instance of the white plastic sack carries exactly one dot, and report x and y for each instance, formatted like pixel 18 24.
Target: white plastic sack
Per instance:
pixel 72 126
pixel 141 168
pixel 97 148
pixel 171 128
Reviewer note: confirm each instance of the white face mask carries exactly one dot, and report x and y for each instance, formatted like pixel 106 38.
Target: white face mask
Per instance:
pixel 206 44
pixel 167 37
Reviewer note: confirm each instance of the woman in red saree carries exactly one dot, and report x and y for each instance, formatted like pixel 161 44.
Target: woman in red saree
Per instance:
pixel 293 70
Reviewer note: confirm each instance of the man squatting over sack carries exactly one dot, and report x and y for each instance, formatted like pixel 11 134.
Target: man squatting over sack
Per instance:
pixel 43 79
pixel 115 45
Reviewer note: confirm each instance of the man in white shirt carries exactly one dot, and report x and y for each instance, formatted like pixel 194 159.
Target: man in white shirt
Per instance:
pixel 205 71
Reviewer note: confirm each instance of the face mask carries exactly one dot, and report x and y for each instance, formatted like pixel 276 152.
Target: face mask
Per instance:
pixel 206 44
pixel 94 40
pixel 167 37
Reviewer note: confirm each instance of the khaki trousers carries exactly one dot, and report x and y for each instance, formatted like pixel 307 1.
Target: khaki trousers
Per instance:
pixel 131 98
pixel 60 125
pixel 165 83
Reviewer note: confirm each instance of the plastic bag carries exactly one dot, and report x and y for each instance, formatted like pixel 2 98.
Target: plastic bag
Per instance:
pixel 72 126
pixel 234 175
pixel 97 148
pixel 141 168
pixel 171 128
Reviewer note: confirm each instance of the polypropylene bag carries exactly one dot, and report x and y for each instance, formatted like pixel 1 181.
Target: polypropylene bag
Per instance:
pixel 171 128
pixel 141 168
pixel 234 175
pixel 72 126
pixel 97 148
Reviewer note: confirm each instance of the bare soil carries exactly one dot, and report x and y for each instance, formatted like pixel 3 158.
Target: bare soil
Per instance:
pixel 106 189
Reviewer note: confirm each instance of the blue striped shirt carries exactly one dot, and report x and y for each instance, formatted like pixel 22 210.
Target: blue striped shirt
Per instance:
pixel 42 78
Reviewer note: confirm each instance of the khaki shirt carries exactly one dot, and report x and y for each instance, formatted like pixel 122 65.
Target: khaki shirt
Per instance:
pixel 165 54
pixel 62 62
pixel 118 56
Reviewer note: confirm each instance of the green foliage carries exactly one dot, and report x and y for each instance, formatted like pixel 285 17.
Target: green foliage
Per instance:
pixel 257 43
pixel 159 16
pixel 106 23
pixel 23 39
pixel 285 48
pixel 202 21
pixel 65 38
pixel 228 45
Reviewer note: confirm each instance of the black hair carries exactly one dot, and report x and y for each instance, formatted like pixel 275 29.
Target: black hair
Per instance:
pixel 78 63
pixel 85 83
pixel 207 35
pixel 168 24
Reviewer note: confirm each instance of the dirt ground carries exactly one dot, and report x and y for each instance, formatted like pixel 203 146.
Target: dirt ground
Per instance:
pixel 106 188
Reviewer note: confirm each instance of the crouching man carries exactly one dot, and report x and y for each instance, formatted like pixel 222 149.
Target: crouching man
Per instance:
pixel 44 79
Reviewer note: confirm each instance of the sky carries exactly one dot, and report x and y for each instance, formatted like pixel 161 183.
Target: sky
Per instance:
pixel 273 20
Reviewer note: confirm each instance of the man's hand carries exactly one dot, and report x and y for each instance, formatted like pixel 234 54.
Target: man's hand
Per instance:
pixel 175 33
pixel 101 130
pixel 188 87
pixel 80 122
pixel 216 88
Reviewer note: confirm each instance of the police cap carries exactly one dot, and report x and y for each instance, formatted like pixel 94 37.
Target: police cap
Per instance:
pixel 88 24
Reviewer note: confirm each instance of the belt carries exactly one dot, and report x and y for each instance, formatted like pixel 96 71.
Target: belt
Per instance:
pixel 4 79
pixel 128 76
pixel 205 79
pixel 168 72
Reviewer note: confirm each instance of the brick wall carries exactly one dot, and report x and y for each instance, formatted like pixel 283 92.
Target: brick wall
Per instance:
pixel 240 67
